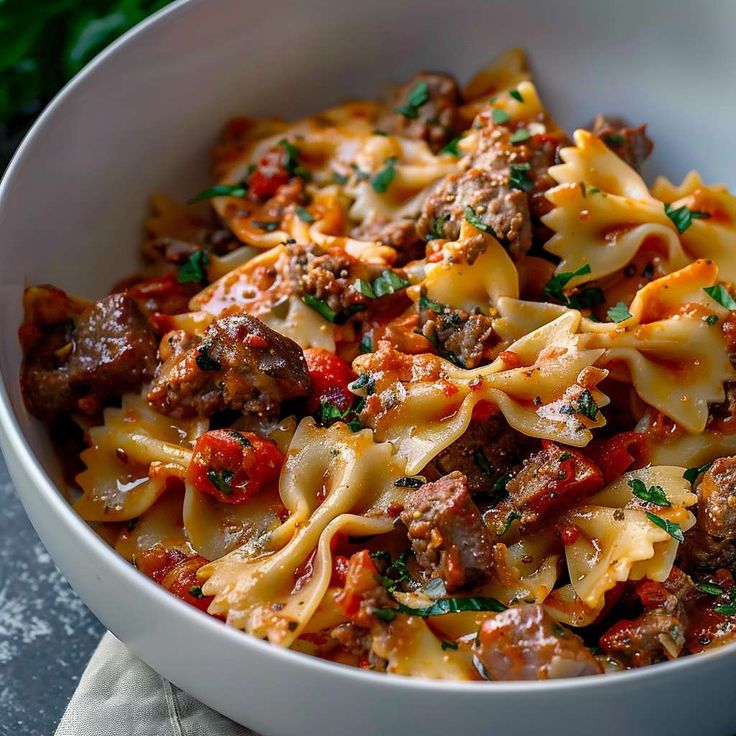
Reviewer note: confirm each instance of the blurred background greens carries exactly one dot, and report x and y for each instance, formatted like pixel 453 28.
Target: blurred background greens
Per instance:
pixel 44 43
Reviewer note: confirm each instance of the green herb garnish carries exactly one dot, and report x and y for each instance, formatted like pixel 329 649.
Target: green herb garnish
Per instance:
pixel 382 180
pixel 587 298
pixel 516 95
pixel 445 606
pixel 448 644
pixel 585 405
pixel 244 441
pixel 221 479
pixel 476 221
pixel 520 136
pixel 499 485
pixel 204 361
pixel 193 269
pixel 196 592
pixel 654 494
pixel 430 305
pixel 366 344
pixel 711 319
pixel 519 178
pixel 222 190
pixel 709 588
pixel 669 526
pixel 510 519
pixel 291 164
pixel 304 214
pixel 482 462
pixel 721 295
pixel 418 96
pixel 266 225
pixel 410 481
pixel 388 282
pixel 339 178
pixel 682 217
pixel 451 147
pixel 499 116
pixel 691 474
pixel 619 313
pixel 438 224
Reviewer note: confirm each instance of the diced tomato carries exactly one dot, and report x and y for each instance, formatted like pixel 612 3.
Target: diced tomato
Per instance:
pixel 360 578
pixel 511 359
pixel 569 534
pixel 652 594
pixel 269 175
pixel 617 454
pixel 233 466
pixel 163 294
pixel 484 410
pixel 175 571
pixel 330 376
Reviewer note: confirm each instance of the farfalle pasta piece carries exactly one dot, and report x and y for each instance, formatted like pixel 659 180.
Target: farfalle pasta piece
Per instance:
pixel 456 283
pixel 334 481
pixel 130 459
pixel 428 403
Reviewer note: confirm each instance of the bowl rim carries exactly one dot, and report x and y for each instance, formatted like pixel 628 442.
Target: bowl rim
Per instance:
pixel 16 442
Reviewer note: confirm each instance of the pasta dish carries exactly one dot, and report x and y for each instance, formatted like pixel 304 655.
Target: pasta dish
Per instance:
pixel 421 385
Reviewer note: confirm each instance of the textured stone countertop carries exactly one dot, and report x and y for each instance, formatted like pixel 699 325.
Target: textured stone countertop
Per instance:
pixel 46 633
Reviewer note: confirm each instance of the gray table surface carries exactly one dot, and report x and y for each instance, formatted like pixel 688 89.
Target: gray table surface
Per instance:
pixel 46 633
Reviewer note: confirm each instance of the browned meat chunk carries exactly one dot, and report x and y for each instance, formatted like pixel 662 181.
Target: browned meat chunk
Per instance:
pixel 701 551
pixel 447 533
pixel 654 636
pixel 551 481
pixel 485 453
pixel 504 184
pixel 458 335
pixel 330 278
pixel 239 364
pixel 79 363
pixel 525 643
pixel 717 499
pixel 632 144
pixel 425 109
pixel 401 236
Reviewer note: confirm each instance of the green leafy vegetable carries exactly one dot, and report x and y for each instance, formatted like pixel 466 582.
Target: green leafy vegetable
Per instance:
pixel 366 381
pixel 388 282
pixel 196 592
pixel 669 526
pixel 291 164
pixel 476 221
pixel 510 518
pixel 451 147
pixel 448 645
pixel 244 441
pixel 499 485
pixel 418 96
pixel 410 481
pixel 520 136
pixel 431 305
pixel 614 139
pixel 682 217
pixel 516 95
pixel 268 226
pixel 725 609
pixel 709 588
pixel 304 214
pixel 590 297
pixel 711 319
pixel 445 606
pixel 438 225
pixel 585 405
pixel 691 474
pixel 325 311
pixel 366 344
pixel 222 190
pixel 721 295
pixel 519 178
pixel 654 494
pixel 499 116
pixel 221 479
pixel 482 462
pixel 382 180
pixel 619 313
pixel 193 269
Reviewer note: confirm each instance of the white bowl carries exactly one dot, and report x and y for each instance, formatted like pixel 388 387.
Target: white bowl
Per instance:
pixel 142 117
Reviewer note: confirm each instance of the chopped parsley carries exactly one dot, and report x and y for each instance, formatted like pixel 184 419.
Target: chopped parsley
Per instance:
pixel 565 456
pixel 585 405
pixel 510 519
pixel 726 609
pixel 711 319
pixel 438 224
pixel 654 494
pixel 330 413
pixel 326 312
pixel 396 573
pixel 587 298
pixel 443 607
pixel 366 381
pixel 291 164
pixel 448 644
pixel 266 225
pixel 614 139
pixel 619 313
pixel 244 441
pixel 418 96
pixel 382 180
pixel 193 269
pixel 669 526
pixel 204 361
pixel 431 305
pixel 682 217
pixel 516 95
pixel 499 116
pixel 520 136
pixel 519 178
pixel 691 474
pixel 451 147
pixel 304 214
pixel 196 592
pixel 476 221
pixel 366 344
pixel 482 462
pixel 410 481
pixel 222 190
pixel 221 479
pixel 499 485
pixel 709 588
pixel 389 282
pixel 721 295
pixel 339 178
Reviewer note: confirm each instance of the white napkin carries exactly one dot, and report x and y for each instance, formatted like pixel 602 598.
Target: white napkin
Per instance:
pixel 118 695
